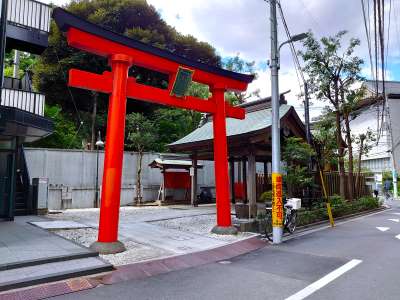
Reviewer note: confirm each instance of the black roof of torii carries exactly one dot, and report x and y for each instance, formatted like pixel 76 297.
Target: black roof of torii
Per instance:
pixel 65 20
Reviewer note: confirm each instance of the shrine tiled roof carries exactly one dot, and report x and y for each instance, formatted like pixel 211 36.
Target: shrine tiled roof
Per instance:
pixel 254 121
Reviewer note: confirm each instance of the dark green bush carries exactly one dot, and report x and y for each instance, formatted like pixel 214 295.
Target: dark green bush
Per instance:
pixel 266 197
pixel 336 200
pixel 340 208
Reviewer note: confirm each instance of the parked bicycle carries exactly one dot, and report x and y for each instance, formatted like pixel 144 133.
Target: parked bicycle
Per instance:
pixel 289 224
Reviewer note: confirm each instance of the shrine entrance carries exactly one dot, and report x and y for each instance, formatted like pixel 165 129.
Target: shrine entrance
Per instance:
pixel 123 53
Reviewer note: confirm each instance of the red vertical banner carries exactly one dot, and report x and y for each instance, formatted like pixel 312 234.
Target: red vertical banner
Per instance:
pixel 277 203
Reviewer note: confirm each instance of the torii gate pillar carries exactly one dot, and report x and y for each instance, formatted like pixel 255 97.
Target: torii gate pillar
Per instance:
pixel 224 223
pixel 114 151
pixel 121 51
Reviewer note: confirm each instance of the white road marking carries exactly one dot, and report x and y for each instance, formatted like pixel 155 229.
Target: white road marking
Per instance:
pixel 383 228
pixel 394 220
pixel 337 223
pixel 315 286
pixel 398 236
pixel 396 214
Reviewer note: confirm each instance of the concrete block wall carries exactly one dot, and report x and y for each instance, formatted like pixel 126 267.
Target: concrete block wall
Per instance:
pixel 72 176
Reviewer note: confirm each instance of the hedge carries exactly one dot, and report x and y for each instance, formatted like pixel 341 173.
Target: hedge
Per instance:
pixel 340 208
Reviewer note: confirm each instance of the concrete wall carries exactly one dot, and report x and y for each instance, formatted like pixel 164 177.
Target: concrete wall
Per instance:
pixel 72 176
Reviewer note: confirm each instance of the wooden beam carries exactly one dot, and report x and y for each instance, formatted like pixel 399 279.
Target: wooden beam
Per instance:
pixel 97 45
pixel 103 83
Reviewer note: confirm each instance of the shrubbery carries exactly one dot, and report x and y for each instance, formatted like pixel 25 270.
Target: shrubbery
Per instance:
pixel 340 208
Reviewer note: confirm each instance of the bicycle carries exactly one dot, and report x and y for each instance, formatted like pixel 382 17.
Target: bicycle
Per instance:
pixel 289 224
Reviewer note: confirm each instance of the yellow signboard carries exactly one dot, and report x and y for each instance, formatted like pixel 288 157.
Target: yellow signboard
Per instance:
pixel 277 203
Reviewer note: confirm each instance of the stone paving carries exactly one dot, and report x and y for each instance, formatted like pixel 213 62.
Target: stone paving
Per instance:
pixel 151 232
pixel 21 242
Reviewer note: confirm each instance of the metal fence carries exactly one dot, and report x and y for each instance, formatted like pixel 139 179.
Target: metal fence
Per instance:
pixel 29 13
pixel 28 101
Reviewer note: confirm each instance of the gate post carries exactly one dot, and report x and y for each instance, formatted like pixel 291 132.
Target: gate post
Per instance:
pixel 114 150
pixel 224 222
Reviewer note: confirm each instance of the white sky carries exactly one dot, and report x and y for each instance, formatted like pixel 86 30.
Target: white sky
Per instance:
pixel 242 26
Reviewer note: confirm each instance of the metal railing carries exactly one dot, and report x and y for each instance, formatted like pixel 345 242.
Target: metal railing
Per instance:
pixel 29 13
pixel 24 100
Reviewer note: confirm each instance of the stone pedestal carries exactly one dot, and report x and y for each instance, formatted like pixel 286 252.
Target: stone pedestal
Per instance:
pixel 242 210
pixel 229 230
pixel 108 248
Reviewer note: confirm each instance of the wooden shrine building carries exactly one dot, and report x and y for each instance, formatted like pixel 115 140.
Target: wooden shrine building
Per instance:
pixel 249 143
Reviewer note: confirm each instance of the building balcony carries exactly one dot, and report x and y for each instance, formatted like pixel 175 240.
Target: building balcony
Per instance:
pixel 28 25
pixel 17 93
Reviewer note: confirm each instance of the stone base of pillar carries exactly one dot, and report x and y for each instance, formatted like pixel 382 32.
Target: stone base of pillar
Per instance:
pixel 222 230
pixel 108 248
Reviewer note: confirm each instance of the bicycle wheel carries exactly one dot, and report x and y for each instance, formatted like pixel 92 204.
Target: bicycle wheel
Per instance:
pixel 268 226
pixel 291 225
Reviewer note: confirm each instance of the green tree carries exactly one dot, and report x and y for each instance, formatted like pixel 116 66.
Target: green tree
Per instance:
pixel 172 124
pixel 324 135
pixel 297 153
pixel 26 63
pixel 332 73
pixel 65 130
pixel 237 64
pixel 134 18
pixel 364 142
pixel 140 136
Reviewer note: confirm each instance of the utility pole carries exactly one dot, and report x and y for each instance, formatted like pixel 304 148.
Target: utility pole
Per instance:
pixel 277 204
pixel 391 147
pixel 307 113
pixel 3 27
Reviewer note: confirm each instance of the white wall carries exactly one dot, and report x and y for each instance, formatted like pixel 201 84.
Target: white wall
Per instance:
pixel 376 159
pixel 72 176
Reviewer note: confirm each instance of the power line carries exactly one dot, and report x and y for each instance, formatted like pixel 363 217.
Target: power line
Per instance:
pixel 367 32
pixel 292 48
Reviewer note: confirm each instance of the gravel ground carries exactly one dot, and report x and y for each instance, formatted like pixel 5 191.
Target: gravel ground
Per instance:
pixel 135 252
pixel 130 214
pixel 201 225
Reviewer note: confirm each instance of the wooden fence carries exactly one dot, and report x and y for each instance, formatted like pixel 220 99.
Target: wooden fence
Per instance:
pixel 331 179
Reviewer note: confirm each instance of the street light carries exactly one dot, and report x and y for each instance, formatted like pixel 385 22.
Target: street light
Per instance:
pixel 294 38
pixel 99 144
pixel 277 204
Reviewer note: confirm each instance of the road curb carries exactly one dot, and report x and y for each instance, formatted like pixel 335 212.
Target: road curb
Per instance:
pixel 137 271
pixel 355 215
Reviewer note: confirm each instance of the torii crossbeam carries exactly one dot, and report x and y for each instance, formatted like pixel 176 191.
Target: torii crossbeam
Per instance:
pixel 122 53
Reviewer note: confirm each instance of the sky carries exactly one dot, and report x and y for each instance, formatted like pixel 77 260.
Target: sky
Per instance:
pixel 242 27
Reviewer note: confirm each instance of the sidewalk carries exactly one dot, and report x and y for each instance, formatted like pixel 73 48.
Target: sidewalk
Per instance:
pixel 30 255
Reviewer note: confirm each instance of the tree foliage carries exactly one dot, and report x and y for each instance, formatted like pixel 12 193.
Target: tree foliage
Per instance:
pixel 134 18
pixel 333 71
pixel 297 153
pixel 237 64
pixel 65 133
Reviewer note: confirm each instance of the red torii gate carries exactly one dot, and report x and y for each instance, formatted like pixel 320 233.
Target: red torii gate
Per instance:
pixel 122 53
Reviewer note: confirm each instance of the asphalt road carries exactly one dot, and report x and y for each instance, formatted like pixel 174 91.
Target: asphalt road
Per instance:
pixel 355 260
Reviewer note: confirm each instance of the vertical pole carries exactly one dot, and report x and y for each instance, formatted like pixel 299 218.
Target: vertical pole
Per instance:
pixel 111 192
pixel 3 38
pixel 16 64
pixel 96 196
pixel 308 137
pixel 232 178
pixel 244 173
pixel 277 205
pixel 252 191
pixel 392 148
pixel 307 113
pixel 224 222
pixel 193 196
